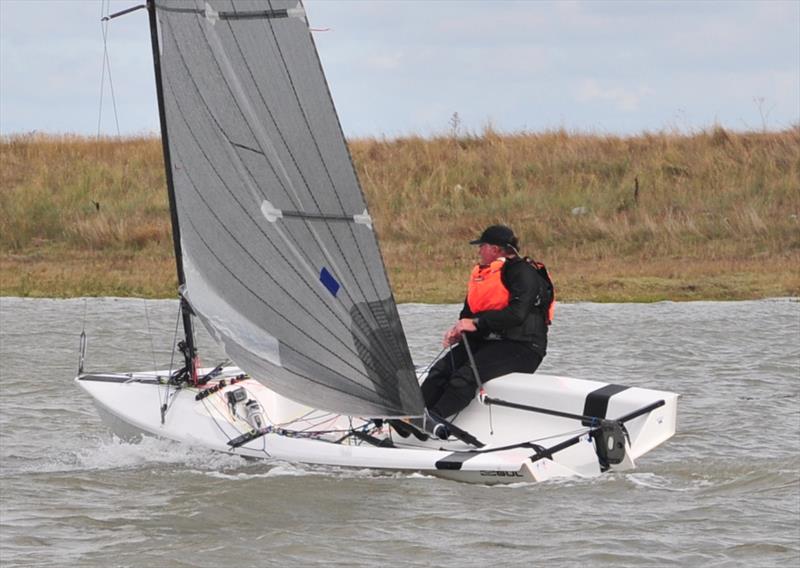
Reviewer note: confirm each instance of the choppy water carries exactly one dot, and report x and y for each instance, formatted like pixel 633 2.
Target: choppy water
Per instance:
pixel 724 492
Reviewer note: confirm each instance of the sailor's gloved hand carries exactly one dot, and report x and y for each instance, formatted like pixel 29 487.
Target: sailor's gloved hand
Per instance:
pixel 453 334
pixel 451 337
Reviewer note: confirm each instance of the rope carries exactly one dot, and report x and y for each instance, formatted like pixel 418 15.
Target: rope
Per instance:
pixel 162 403
pixel 149 332
pixel 175 340
pixel 572 433
pixel 105 8
pixel 82 342
pixel 434 360
pixel 214 410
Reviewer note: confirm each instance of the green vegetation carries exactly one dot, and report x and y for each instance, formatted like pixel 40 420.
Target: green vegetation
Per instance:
pixel 715 215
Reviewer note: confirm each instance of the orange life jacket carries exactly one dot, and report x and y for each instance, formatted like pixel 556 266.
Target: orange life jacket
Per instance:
pixel 485 290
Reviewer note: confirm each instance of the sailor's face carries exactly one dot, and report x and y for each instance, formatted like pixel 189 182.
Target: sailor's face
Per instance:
pixel 489 253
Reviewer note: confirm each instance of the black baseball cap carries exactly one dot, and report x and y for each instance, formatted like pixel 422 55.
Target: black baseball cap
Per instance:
pixel 499 235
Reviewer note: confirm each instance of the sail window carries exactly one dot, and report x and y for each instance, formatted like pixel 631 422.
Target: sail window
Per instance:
pixel 329 281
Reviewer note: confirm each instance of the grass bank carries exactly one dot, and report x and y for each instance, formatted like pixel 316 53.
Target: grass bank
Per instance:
pixel 712 215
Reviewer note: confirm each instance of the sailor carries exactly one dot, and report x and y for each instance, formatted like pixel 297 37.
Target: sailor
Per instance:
pixel 504 320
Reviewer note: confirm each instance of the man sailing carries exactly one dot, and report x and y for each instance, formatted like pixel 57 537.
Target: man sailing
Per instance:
pixel 504 320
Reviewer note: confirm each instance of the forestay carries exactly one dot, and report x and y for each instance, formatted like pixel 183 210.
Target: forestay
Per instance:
pixel 281 260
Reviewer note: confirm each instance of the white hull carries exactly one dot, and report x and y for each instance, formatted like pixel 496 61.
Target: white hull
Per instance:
pixel 130 404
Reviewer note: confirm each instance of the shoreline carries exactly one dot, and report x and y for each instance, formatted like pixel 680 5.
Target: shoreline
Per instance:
pixel 712 215
pixel 152 276
pixel 786 299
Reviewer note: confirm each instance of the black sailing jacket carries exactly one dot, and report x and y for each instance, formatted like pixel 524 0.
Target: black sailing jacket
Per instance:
pixel 523 319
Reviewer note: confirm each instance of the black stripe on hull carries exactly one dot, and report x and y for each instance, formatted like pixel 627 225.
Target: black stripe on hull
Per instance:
pixel 596 404
pixel 455 460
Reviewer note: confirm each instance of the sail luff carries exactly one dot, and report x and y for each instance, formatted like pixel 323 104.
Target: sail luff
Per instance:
pixel 188 330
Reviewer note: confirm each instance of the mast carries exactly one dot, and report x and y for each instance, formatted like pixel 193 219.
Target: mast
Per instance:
pixel 187 346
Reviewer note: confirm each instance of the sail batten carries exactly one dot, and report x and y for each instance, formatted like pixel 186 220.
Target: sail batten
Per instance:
pixel 209 13
pixel 282 263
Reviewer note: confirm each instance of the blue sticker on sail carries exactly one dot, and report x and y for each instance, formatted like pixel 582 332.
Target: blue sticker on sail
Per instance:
pixel 329 281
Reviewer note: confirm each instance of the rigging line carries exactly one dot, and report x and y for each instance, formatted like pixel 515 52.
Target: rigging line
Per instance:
pixel 82 341
pixel 575 435
pixel 363 341
pixel 175 339
pixel 306 418
pixel 111 90
pixel 263 409
pixel 214 420
pixel 214 410
pixel 149 332
pixel 579 431
pixel 433 361
pixel 271 27
pixel 162 402
pixel 85 308
pixel 104 27
pixel 330 419
pixel 103 10
pixel 230 420
pixel 171 397
pixel 298 419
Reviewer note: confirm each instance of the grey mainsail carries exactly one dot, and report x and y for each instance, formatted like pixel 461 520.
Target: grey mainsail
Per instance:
pixel 280 257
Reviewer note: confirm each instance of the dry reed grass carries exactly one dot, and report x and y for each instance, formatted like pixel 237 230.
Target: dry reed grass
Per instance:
pixel 84 193
pixel 716 208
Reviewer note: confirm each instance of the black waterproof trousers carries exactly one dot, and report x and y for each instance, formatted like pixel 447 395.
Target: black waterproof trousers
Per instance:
pixel 451 385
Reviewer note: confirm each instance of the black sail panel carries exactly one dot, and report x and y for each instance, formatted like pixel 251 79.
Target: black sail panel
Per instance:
pixel 281 260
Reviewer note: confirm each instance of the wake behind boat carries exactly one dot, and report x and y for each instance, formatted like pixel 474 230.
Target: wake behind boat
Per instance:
pixel 278 258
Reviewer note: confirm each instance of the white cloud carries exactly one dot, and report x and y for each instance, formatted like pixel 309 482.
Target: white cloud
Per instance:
pixel 622 98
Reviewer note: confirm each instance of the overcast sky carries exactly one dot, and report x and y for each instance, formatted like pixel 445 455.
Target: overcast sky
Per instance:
pixel 404 67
